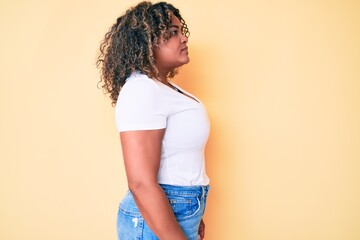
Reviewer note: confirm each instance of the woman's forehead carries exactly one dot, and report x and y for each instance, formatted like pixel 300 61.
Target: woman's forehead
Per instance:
pixel 175 21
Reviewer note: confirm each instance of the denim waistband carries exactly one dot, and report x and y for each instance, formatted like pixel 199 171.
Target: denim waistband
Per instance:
pixel 191 191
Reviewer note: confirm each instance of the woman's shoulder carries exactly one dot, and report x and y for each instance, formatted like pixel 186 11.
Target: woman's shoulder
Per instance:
pixel 140 86
pixel 139 80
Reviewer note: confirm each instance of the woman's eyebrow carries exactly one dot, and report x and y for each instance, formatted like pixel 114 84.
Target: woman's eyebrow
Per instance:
pixel 174 26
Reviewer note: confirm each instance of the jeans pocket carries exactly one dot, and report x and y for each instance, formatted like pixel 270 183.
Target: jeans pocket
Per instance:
pixel 128 206
pixel 184 207
pixel 130 224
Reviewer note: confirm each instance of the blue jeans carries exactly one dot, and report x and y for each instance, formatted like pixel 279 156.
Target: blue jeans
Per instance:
pixel 188 204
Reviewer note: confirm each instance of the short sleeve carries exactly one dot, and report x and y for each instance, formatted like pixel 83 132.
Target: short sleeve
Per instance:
pixel 140 105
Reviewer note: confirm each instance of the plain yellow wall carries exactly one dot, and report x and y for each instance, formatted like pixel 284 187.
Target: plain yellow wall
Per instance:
pixel 280 80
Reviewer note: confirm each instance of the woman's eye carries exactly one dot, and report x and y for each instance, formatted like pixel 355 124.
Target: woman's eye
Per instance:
pixel 174 32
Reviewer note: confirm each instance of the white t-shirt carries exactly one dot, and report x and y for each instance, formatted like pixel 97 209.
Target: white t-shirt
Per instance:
pixel 146 104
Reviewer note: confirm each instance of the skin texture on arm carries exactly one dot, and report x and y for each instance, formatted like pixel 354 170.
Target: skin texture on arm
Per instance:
pixel 141 153
pixel 201 230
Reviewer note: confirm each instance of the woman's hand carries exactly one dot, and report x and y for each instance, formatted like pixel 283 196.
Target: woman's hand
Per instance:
pixel 201 230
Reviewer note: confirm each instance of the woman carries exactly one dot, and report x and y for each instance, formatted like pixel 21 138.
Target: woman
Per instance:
pixel 163 129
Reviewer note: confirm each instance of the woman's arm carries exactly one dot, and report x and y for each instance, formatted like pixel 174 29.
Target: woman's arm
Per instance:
pixel 201 230
pixel 141 153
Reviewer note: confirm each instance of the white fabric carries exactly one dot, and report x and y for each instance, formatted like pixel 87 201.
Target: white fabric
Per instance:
pixel 145 104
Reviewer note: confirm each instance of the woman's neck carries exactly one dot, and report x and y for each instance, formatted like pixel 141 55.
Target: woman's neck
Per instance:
pixel 162 76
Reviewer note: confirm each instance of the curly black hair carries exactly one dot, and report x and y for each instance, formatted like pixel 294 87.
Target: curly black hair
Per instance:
pixel 129 44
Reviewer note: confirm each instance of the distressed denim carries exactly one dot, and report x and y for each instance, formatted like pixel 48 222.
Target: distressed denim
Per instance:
pixel 188 204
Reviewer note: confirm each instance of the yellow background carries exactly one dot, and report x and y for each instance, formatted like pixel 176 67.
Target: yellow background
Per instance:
pixel 280 80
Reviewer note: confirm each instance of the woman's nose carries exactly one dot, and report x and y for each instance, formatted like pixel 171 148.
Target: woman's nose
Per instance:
pixel 184 39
